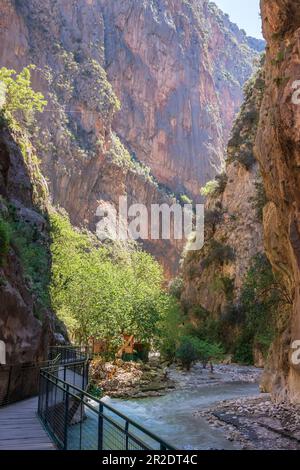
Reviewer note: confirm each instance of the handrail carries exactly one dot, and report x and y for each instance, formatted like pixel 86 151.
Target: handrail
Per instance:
pixel 109 407
pixel 62 403
pixel 55 380
pixel 20 381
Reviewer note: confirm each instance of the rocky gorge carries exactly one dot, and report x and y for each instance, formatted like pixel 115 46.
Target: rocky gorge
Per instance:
pixel 141 98
pixel 163 115
pixel 267 158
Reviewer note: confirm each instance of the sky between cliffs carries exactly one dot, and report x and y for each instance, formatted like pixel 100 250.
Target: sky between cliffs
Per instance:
pixel 245 13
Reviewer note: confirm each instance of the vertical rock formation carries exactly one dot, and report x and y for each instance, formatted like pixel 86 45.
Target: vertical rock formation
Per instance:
pixel 27 325
pixel 177 67
pixel 214 276
pixel 278 150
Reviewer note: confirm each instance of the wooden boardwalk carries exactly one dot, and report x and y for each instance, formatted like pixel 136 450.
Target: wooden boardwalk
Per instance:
pixel 20 428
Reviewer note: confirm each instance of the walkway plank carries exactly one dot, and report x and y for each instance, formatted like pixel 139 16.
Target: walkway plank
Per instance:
pixel 20 428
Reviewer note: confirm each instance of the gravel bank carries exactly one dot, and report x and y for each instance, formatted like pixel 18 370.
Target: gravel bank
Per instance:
pixel 257 423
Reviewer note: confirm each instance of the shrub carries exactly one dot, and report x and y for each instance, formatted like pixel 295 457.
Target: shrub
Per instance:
pixel 225 284
pixel 218 253
pixel 252 117
pixel 187 353
pixel 259 200
pixel 210 188
pixel 194 349
pixel 222 180
pixel 215 187
pixel 35 258
pixel 212 218
pixel 185 199
pixel 233 315
pixel 176 287
pixel 247 159
pixel 170 332
pixel 243 352
pixel 208 351
pixel 4 240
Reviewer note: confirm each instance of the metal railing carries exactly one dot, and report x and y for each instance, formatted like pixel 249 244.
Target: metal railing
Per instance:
pixel 77 421
pixel 19 381
pixel 69 354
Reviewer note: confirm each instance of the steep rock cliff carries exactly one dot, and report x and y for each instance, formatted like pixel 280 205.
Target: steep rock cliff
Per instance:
pixel 277 149
pixel 178 68
pixel 27 325
pixel 178 82
pixel 214 276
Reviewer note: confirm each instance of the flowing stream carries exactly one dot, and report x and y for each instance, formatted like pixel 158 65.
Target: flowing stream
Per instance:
pixel 172 416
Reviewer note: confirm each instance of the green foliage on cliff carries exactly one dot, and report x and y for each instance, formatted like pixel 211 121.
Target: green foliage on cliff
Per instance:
pixel 249 324
pixel 4 240
pixel 33 252
pixel 241 142
pixel 259 200
pixel 210 188
pixel 218 253
pixel 216 187
pixel 20 101
pixel 95 89
pixel 103 293
pixel 260 298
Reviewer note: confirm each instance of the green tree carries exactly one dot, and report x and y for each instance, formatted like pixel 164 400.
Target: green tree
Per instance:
pixel 19 100
pixel 170 330
pixel 187 352
pixel 193 349
pixel 101 293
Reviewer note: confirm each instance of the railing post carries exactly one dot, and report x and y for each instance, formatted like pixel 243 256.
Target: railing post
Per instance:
pixel 100 428
pixel 6 399
pixel 40 393
pixel 83 377
pixel 66 418
pixel 126 434
pixel 47 398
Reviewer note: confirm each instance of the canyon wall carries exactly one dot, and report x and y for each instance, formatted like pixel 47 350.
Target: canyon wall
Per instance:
pixel 178 68
pixel 128 83
pixel 27 325
pixel 277 149
pixel 273 183
pixel 214 276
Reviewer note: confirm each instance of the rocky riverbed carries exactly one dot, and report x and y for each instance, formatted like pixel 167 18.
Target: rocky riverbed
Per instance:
pixel 247 421
pixel 256 423
pixel 199 377
pixel 121 379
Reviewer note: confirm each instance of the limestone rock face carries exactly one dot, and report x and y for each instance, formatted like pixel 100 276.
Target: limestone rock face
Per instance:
pixel 26 336
pixel 277 149
pixel 177 67
pixel 214 276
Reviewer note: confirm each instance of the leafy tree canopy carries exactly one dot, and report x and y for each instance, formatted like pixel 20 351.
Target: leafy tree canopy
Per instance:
pixel 100 294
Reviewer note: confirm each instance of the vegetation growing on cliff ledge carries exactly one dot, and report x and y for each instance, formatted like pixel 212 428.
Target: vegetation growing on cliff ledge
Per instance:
pixel 247 325
pixel 215 187
pixel 4 240
pixel 240 145
pixel 20 101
